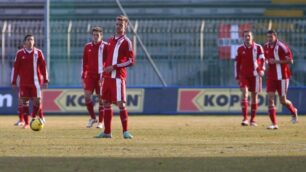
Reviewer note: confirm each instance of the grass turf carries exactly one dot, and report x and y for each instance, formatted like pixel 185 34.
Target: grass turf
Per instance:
pixel 161 143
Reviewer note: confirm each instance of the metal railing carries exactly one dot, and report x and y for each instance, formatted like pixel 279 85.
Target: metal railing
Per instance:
pixel 187 52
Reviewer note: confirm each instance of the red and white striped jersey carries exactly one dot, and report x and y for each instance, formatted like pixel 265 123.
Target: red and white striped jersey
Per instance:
pixel 120 55
pixel 93 58
pixel 278 51
pixel 249 60
pixel 30 66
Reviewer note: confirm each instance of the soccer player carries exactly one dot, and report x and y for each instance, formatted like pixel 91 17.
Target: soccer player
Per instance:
pixel 249 69
pixel 30 67
pixel 120 55
pixel 93 55
pixel 279 57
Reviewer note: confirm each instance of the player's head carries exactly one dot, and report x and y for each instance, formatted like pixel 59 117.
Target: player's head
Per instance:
pixel 271 36
pixel 29 41
pixel 121 24
pixel 97 34
pixel 248 37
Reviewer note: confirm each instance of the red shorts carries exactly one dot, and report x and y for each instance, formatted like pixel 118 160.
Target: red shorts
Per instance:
pixel 113 90
pixel 29 91
pixel 281 86
pixel 91 83
pixel 254 84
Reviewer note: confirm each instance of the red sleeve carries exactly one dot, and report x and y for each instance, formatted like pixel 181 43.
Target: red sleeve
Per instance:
pixel 285 52
pixel 15 70
pixel 261 59
pixel 85 62
pixel 129 54
pixel 237 65
pixel 43 68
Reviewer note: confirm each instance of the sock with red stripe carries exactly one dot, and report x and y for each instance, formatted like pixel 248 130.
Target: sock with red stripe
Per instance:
pixel 108 120
pixel 26 114
pixel 36 110
pixel 101 113
pixel 124 119
pixel 272 114
pixel 291 108
pixel 244 108
pixel 20 113
pixel 90 109
pixel 254 108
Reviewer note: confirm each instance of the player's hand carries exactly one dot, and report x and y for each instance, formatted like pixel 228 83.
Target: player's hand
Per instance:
pixel 272 61
pixel 45 85
pixel 108 69
pixel 14 87
pixel 261 73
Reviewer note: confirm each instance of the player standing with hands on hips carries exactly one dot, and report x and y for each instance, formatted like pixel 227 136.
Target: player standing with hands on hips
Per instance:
pixel 120 55
pixel 279 57
pixel 30 67
pixel 249 69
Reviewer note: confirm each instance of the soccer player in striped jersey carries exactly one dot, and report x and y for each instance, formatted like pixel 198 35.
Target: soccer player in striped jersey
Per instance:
pixel 93 60
pixel 249 69
pixel 30 67
pixel 120 55
pixel 279 57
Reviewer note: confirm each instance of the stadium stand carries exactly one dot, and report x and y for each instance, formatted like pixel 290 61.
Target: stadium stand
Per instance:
pixel 171 31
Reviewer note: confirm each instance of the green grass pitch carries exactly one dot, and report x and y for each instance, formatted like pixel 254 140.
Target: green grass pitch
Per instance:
pixel 161 143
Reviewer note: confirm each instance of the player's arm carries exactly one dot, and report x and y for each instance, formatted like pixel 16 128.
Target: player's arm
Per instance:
pixel 129 54
pixel 84 63
pixel 43 69
pixel 237 66
pixel 15 72
pixel 261 62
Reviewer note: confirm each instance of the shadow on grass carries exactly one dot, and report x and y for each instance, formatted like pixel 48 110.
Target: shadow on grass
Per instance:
pixel 57 164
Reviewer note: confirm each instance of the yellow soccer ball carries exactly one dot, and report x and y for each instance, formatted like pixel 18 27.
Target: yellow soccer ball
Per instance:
pixel 36 124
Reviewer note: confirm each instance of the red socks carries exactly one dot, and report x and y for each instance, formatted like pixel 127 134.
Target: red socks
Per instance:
pixel 90 109
pixel 291 108
pixel 25 111
pixel 124 119
pixel 36 111
pixel 101 113
pixel 244 108
pixel 272 114
pixel 20 113
pixel 254 108
pixel 108 120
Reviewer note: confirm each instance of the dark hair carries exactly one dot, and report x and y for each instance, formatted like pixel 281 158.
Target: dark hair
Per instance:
pixel 272 32
pixel 28 35
pixel 247 31
pixel 97 29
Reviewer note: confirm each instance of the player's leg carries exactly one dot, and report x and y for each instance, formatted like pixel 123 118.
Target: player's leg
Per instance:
pixel 120 101
pixel 101 113
pixel 272 110
pixel 244 105
pixel 89 86
pixel 108 115
pixel 108 88
pixel 25 111
pixel 101 108
pixel 124 120
pixel 254 107
pixel 20 122
pixel 255 88
pixel 287 103
pixel 271 89
pixel 24 94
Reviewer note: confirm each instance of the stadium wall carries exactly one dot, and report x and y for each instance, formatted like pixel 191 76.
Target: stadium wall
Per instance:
pixel 156 100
